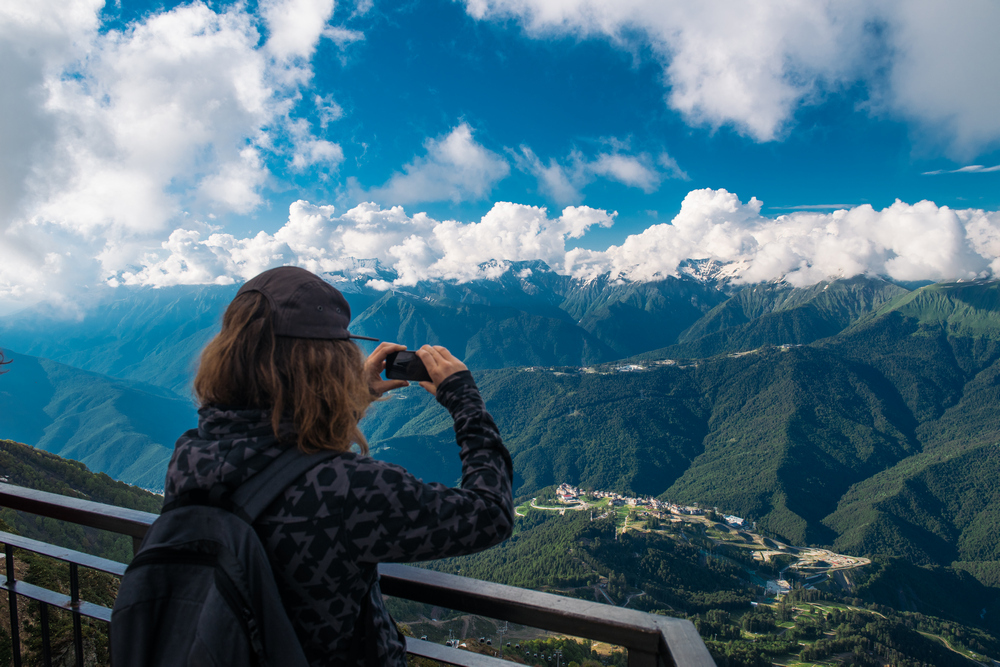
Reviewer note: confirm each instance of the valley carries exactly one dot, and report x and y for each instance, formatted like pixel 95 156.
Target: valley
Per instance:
pixel 809 565
pixel 851 424
pixel 695 566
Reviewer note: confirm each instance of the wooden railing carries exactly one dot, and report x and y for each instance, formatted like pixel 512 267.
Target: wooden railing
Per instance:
pixel 650 640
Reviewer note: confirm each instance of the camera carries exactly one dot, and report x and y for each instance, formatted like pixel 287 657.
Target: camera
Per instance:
pixel 405 365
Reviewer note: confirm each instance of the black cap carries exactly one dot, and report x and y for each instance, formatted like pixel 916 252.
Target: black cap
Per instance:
pixel 304 305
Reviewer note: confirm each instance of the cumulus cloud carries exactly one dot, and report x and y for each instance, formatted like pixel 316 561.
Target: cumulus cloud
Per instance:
pixel 752 65
pixel 908 242
pixel 943 73
pixel 294 25
pixel 109 137
pixel 904 241
pixel 564 180
pixel 456 167
pixel 417 247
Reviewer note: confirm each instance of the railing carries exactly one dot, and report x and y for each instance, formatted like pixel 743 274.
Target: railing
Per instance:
pixel 650 640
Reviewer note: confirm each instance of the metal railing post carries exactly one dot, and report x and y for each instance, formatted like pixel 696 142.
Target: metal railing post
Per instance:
pixel 15 630
pixel 74 594
pixel 637 658
pixel 43 613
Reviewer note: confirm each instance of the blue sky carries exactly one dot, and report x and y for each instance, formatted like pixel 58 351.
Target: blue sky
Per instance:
pixel 425 66
pixel 137 131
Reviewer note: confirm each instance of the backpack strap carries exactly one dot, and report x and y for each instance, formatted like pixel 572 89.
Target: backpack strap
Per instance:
pixel 253 496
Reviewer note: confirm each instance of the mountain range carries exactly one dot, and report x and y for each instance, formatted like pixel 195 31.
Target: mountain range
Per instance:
pixel 857 413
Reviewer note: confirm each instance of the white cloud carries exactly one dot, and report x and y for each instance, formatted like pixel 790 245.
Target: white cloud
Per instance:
pixel 944 75
pixel 554 180
pixel 134 124
pixel 363 7
pixel 317 151
pixel 564 181
pixel 310 151
pixel 294 26
pixel 752 65
pixel 626 169
pixel 328 109
pixel 919 241
pixel 906 242
pixel 673 169
pixel 417 247
pixel 813 207
pixel 455 168
pixel 343 36
pixel 969 169
pixel 725 62
pixel 35 39
pixel 110 137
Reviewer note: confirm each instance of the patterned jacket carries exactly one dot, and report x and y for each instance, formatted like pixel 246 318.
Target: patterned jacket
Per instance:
pixel 329 531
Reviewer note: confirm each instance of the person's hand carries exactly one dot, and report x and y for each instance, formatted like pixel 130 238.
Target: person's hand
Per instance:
pixel 440 364
pixel 375 364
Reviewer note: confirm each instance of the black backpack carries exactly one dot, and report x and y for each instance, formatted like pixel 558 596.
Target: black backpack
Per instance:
pixel 200 591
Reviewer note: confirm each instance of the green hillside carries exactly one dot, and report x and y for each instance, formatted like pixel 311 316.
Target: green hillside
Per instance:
pixel 841 301
pixel 869 440
pixel 36 469
pixel 121 428
pixel 485 336
pixel 779 435
pixel 962 309
pixel 893 612
pixel 778 314
pixel 789 432
pixel 850 413
pixel 634 317
pixel 939 508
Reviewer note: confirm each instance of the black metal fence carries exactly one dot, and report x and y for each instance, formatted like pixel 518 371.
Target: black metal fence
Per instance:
pixel 650 640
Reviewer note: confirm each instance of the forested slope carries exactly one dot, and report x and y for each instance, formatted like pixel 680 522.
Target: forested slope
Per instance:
pixel 834 414
pixel 36 469
pixel 877 440
pixel 119 427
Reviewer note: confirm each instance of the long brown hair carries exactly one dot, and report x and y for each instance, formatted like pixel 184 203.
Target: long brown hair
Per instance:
pixel 318 384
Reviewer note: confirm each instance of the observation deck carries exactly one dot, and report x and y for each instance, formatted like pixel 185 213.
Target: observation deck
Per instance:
pixel 650 640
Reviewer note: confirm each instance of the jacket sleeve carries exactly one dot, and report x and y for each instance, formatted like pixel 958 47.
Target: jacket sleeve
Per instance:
pixel 395 517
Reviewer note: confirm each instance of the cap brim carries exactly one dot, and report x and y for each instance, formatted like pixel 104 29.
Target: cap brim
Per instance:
pixel 362 337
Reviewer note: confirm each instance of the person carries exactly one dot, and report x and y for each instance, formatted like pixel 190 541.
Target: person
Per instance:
pixel 284 372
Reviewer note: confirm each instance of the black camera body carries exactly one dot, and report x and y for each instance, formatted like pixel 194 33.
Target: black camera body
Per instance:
pixel 405 365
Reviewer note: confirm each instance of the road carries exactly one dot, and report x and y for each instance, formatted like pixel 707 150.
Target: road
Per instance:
pixel 579 506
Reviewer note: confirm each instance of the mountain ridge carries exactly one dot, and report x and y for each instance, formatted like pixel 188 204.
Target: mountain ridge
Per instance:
pixel 817 411
pixel 121 427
